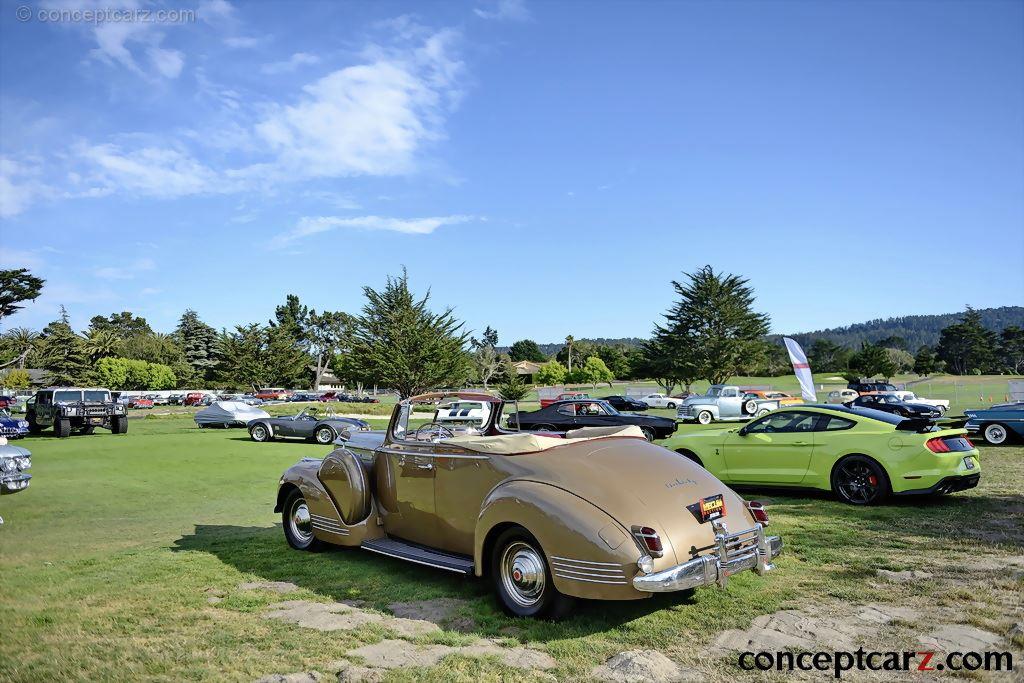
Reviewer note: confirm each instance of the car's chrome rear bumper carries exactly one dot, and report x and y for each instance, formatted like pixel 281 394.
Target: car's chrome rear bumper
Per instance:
pixel 733 553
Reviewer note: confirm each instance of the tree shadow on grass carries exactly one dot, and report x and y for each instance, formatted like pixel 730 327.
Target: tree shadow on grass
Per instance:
pixel 352 574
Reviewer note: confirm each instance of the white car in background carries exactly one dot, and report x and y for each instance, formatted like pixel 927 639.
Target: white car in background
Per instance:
pixel 911 397
pixel 463 412
pixel 842 396
pixel 660 401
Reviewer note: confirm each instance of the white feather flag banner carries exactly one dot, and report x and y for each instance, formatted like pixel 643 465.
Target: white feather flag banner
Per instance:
pixel 802 369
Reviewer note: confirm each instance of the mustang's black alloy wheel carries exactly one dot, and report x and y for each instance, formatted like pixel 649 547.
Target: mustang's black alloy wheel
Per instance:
pixel 522 579
pixel 298 524
pixel 859 480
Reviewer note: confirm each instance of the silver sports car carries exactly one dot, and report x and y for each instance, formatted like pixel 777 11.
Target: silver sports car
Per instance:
pixel 308 423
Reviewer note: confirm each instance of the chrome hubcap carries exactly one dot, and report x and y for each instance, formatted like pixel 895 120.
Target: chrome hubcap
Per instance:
pixel 522 573
pixel 704 418
pixel 259 433
pixel 302 527
pixel 995 433
pixel 324 435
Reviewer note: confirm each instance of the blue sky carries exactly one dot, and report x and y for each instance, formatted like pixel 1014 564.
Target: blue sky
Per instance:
pixel 546 168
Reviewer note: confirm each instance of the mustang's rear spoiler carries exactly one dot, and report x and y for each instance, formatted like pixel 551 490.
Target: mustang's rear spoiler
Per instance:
pixel 924 424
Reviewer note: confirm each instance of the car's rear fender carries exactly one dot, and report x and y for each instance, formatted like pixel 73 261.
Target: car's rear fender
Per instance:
pixel 589 554
pixel 912 465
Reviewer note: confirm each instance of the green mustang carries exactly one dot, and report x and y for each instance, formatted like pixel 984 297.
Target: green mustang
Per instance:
pixel 860 454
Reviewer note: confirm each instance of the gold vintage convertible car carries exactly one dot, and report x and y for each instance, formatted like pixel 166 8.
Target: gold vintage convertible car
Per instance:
pixel 599 513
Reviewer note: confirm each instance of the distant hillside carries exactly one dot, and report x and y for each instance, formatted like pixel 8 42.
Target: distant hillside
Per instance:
pixel 916 329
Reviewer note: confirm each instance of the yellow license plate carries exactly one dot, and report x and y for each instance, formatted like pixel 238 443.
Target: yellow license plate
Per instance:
pixel 712 508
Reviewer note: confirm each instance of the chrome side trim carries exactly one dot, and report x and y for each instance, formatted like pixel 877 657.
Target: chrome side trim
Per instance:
pixel 577 578
pixel 569 559
pixel 587 571
pixel 418 454
pixel 327 524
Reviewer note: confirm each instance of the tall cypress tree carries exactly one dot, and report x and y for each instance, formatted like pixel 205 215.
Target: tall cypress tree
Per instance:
pixel 968 346
pixel 62 353
pixel 400 343
pixel 198 341
pixel 713 326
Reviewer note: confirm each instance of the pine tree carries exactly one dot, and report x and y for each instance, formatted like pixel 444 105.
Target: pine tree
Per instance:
pixel 400 343
pixel 198 342
pixel 713 327
pixel 526 349
pixel 62 353
pixel 968 346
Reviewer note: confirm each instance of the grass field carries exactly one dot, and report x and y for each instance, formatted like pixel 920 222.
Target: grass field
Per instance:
pixel 123 559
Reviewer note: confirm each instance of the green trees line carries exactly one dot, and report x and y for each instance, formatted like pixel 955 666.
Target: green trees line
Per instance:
pixel 711 332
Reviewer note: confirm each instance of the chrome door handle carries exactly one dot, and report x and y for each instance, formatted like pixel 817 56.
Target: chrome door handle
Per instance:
pixel 424 465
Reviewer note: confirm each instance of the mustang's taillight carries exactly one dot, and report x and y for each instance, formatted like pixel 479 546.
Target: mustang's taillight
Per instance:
pixel 937 446
pixel 758 512
pixel 649 539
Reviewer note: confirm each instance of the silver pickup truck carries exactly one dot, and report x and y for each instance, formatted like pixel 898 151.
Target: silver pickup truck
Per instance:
pixel 725 403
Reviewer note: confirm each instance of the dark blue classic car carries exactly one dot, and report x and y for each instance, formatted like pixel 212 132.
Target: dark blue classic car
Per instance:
pixel 998 423
pixel 12 427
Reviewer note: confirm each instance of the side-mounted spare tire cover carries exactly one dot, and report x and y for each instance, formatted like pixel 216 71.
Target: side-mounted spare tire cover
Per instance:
pixel 346 479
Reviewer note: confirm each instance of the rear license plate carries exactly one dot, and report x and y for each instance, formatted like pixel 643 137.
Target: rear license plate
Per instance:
pixel 711 508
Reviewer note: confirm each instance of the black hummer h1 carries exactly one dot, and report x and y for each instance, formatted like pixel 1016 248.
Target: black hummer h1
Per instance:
pixel 68 409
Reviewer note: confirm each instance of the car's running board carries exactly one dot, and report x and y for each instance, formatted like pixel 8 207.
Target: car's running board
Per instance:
pixel 460 564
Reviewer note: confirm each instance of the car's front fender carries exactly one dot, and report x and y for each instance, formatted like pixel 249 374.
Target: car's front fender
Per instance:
pixel 589 554
pixel 708 406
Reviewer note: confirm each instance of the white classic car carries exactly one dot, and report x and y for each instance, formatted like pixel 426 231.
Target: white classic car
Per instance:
pixel 660 401
pixel 465 412
pixel 842 396
pixel 911 397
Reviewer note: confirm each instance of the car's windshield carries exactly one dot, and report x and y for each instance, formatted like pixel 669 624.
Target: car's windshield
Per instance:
pixel 909 396
pixel 714 391
pixel 67 396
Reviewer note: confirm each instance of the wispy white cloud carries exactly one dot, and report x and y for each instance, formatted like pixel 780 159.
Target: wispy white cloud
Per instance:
pixel 511 10
pixel 122 43
pixel 20 186
pixel 126 272
pixel 315 225
pixel 372 118
pixel 152 171
pixel 291 64
pixel 379 116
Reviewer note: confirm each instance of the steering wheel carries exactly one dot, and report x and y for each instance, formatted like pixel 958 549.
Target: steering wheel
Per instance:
pixel 434 430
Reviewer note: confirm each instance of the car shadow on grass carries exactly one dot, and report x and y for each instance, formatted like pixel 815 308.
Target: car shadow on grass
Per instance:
pixel 989 518
pixel 351 574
